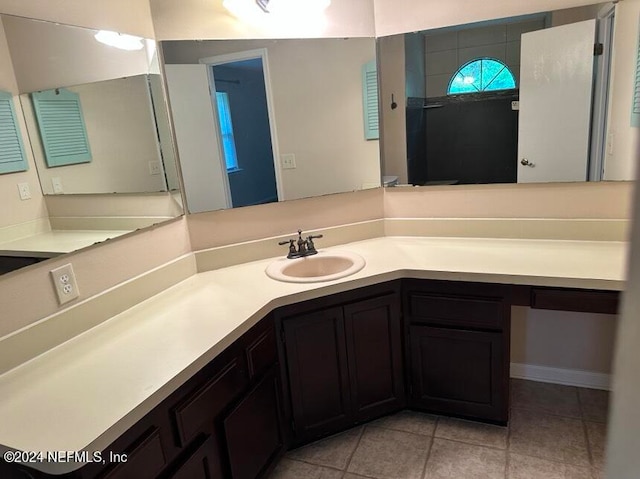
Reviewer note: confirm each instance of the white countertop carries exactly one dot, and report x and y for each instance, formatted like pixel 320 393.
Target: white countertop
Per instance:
pixel 86 392
pixel 55 242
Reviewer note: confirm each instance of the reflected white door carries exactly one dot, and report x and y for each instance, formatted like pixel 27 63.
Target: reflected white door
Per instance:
pixel 203 168
pixel 556 82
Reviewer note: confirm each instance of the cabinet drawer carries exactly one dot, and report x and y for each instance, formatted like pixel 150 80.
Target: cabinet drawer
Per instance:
pixel 145 459
pixel 209 400
pixel 261 353
pixel 461 311
pixel 575 300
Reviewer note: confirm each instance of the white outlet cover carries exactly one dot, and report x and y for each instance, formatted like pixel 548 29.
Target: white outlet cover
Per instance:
pixel 56 183
pixel 24 191
pixel 288 161
pixel 64 282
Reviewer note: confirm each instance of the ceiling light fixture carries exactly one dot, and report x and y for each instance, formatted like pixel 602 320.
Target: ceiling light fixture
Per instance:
pixel 119 40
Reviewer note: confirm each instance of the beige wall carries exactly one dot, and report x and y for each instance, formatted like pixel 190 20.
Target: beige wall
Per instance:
pixel 218 228
pixel 316 89
pixel 27 295
pixel 125 16
pixel 122 136
pixel 14 210
pixel 415 15
pixel 563 339
pixel 391 76
pixel 623 460
pixel 610 200
pixel 197 19
pixel 626 140
pixel 46 55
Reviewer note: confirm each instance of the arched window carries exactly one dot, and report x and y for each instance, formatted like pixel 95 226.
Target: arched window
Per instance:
pixel 482 74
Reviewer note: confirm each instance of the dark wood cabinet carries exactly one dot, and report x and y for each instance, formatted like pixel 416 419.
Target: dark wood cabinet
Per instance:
pixel 202 463
pixel 316 362
pixel 458 350
pixel 343 363
pixel 374 352
pixel 458 372
pixel 253 430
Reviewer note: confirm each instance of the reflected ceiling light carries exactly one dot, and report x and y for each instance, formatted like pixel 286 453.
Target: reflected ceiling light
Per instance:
pixel 285 6
pixel 250 9
pixel 119 40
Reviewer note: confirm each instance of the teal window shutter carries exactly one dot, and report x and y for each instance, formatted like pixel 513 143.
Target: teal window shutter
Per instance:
pixel 635 108
pixel 12 155
pixel 370 101
pixel 62 128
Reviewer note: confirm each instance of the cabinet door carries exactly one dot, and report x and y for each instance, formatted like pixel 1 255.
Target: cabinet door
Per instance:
pixel 374 351
pixel 203 463
pixel 317 369
pixel 253 432
pixel 459 372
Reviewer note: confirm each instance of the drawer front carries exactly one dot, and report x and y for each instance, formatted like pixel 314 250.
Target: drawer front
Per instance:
pixel 145 459
pixel 575 300
pixel 209 400
pixel 261 353
pixel 456 311
pixel 202 463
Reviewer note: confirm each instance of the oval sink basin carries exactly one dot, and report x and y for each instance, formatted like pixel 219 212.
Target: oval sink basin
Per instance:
pixel 320 267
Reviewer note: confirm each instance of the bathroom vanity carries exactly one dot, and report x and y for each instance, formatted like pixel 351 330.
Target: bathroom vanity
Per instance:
pixel 209 379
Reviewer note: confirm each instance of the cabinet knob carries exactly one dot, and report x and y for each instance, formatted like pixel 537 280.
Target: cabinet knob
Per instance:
pixel 525 162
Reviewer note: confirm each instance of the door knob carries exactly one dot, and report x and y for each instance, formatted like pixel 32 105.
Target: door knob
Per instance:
pixel 525 162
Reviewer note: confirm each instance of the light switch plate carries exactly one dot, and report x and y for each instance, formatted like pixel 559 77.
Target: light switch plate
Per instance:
pixel 288 161
pixel 64 282
pixel 24 191
pixel 56 182
pixel 154 168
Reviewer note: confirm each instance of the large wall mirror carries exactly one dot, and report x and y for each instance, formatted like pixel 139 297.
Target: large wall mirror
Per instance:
pixel 259 121
pixel 97 148
pixel 512 100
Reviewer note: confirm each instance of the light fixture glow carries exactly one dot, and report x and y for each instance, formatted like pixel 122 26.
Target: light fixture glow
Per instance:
pixel 119 40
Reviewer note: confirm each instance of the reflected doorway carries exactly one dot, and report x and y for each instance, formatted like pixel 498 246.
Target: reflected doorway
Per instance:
pixel 240 95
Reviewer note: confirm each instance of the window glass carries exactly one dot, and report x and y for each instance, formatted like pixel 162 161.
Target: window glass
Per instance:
pixel 226 130
pixel 483 74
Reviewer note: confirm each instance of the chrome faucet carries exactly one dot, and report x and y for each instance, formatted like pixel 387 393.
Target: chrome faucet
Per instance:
pixel 305 247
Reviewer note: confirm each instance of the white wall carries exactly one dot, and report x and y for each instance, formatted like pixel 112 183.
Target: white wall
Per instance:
pixel 393 16
pixel 46 55
pixel 317 100
pixel 193 19
pixel 626 140
pixel 14 210
pixel 125 16
pixel 122 136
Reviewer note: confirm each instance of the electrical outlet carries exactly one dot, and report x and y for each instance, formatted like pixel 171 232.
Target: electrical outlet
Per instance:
pixel 56 182
pixel 64 281
pixel 288 161
pixel 154 168
pixel 24 191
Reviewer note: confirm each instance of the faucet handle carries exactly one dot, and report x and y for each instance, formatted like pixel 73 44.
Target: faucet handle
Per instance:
pixel 311 248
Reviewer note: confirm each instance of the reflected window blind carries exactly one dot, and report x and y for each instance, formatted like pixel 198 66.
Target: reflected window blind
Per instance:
pixel 370 100
pixel 62 128
pixel 12 155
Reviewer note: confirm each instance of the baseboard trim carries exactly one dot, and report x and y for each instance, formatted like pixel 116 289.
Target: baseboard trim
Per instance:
pixel 567 377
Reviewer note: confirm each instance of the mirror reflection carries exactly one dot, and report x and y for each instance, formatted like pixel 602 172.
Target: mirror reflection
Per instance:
pixel 86 151
pixel 511 100
pixel 259 121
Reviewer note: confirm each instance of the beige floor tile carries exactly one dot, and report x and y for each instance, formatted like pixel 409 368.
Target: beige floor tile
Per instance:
pixel 549 437
pixel 545 397
pixel 334 451
pixel 409 421
pixel 595 404
pixel 348 475
pixel 472 432
pixel 455 460
pixel 388 454
pixel 597 433
pixel 527 467
pixel 289 469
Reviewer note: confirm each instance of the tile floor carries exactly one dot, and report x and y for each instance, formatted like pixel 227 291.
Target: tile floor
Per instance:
pixel 555 432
